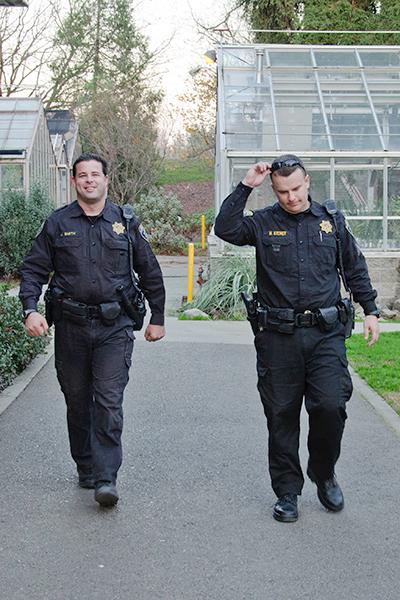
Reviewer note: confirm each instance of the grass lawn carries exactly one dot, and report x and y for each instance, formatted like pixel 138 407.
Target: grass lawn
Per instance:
pixel 378 365
pixel 191 170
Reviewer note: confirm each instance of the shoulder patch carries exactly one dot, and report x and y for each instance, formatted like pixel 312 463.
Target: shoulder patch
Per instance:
pixel 143 233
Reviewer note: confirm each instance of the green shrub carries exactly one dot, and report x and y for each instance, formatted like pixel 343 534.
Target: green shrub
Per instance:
pixel 161 217
pixel 169 230
pixel 220 296
pixel 17 349
pixel 20 220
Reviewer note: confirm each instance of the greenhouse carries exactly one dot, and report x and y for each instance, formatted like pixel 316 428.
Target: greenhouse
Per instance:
pixel 36 147
pixel 337 107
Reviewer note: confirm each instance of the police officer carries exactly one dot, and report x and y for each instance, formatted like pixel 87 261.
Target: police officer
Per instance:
pixel 85 246
pixel 300 332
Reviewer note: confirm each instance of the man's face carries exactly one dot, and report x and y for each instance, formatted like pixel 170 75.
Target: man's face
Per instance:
pixel 292 191
pixel 90 182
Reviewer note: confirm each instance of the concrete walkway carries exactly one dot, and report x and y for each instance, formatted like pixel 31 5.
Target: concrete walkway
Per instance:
pixel 194 521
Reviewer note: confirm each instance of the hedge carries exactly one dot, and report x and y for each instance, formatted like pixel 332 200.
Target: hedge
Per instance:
pixel 17 349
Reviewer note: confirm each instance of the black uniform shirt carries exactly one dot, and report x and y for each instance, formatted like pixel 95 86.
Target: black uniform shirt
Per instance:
pixel 296 255
pixel 89 258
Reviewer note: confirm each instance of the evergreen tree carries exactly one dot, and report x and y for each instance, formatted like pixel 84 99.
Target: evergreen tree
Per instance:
pixel 271 14
pixel 97 44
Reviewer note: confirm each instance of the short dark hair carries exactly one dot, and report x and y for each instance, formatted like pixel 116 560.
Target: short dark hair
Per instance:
pixel 85 157
pixel 286 164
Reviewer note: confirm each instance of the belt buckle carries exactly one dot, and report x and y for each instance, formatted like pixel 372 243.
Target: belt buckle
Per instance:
pixel 91 312
pixel 299 321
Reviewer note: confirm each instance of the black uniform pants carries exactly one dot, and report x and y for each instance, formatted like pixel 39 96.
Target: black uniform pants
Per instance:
pixel 310 364
pixel 92 362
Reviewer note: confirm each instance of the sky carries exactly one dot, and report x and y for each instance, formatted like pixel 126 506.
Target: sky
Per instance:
pixel 162 20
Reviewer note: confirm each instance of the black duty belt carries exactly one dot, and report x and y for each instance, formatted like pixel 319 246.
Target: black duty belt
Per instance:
pixel 284 320
pixel 80 309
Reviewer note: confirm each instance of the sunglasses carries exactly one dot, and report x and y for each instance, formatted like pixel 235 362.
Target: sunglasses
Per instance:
pixel 291 162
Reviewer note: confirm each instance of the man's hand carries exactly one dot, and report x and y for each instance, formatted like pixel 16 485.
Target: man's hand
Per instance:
pixel 256 174
pixel 371 327
pixel 36 324
pixel 154 333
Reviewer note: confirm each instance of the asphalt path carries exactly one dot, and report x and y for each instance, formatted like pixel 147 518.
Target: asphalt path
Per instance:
pixel 194 520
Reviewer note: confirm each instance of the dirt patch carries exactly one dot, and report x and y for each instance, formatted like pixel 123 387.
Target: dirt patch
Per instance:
pixel 195 197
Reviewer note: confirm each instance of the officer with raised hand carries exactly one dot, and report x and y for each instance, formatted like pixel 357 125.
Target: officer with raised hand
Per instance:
pixel 92 250
pixel 302 248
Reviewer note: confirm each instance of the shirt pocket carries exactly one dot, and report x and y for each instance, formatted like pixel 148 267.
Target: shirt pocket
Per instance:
pixel 68 254
pixel 323 252
pixel 115 256
pixel 278 253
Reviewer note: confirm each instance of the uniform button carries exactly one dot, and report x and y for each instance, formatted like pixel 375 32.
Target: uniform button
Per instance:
pixel 93 281
pixel 302 260
pixel 93 260
pixel 301 278
pixel 301 241
pixel 92 226
pixel 93 243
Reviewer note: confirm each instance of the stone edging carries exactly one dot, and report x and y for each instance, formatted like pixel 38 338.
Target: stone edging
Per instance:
pixel 385 411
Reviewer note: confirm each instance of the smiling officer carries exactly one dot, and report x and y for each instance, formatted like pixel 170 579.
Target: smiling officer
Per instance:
pixel 91 250
pixel 300 323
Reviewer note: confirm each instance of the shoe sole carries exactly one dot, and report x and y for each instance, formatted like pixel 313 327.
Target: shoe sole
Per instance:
pixel 282 519
pixel 106 499
pixel 330 507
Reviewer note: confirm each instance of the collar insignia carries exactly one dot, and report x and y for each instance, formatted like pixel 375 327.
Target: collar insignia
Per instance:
pixel 118 228
pixel 326 226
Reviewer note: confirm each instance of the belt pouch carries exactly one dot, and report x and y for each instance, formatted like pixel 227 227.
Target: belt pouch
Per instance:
pixel 109 312
pixel 74 311
pixel 327 318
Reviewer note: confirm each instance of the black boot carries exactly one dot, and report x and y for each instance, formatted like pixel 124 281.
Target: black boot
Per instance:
pixel 285 509
pixel 329 493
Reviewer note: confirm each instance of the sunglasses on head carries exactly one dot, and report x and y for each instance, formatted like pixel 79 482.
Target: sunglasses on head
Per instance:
pixel 290 162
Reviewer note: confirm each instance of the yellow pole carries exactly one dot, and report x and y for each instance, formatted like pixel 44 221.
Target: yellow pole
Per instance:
pixel 190 272
pixel 203 231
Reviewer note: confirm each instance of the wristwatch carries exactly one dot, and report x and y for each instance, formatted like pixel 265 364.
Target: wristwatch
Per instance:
pixel 376 313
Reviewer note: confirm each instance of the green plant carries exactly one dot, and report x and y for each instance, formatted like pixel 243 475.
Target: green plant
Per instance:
pixel 20 219
pixel 161 217
pixel 379 365
pixel 17 349
pixel 220 296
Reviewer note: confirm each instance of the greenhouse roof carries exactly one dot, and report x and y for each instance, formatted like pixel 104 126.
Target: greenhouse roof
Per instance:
pixel 18 119
pixel 275 98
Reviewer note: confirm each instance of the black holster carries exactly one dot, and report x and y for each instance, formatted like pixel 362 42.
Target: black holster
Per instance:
pixel 346 315
pixel 251 309
pixel 135 308
pixel 53 305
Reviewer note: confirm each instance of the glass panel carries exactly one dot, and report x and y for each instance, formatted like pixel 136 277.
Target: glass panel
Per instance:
pixel 261 196
pixel 238 57
pixel 394 190
pixel 11 177
pixel 369 234
pixel 320 185
pixel 335 59
pixel 279 58
pixel 380 59
pixel 359 192
pixel 394 234
pixel 239 78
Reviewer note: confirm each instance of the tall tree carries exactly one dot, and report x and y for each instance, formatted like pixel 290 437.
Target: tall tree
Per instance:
pixel 96 44
pixel 271 14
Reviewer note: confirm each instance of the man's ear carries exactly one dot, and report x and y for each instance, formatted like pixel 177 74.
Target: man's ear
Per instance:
pixel 308 181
